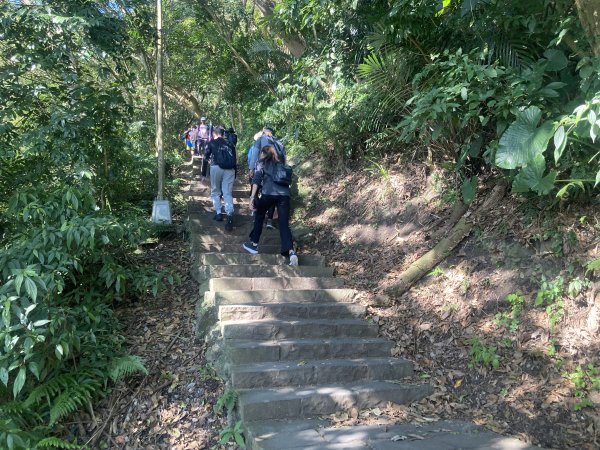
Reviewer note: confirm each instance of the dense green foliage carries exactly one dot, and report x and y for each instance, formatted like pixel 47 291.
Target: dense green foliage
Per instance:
pixel 77 174
pixel 474 84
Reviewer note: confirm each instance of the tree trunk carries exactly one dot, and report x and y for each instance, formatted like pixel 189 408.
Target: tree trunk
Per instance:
pixel 295 45
pixel 589 16
pixel 185 99
pixel 437 254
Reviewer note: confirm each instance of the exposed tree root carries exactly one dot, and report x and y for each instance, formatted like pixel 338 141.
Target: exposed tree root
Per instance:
pixel 444 247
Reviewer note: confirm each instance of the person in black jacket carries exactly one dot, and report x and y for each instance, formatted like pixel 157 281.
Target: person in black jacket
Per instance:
pixel 222 159
pixel 273 194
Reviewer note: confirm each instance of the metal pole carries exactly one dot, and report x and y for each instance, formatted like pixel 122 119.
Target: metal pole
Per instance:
pixel 159 102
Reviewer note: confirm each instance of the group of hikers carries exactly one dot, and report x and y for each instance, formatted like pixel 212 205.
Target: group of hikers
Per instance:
pixel 268 175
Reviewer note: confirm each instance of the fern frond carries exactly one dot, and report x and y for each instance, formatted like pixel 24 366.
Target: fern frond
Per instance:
pixel 91 380
pixel 68 402
pixel 122 367
pixel 54 442
pixel 262 46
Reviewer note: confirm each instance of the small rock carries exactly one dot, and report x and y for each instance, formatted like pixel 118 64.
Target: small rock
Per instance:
pixel 382 300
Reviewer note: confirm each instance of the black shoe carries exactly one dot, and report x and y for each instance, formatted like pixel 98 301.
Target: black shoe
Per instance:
pixel 229 223
pixel 218 217
pixel 250 247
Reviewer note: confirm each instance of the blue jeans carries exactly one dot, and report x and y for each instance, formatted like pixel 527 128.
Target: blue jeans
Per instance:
pixel 221 182
pixel 282 203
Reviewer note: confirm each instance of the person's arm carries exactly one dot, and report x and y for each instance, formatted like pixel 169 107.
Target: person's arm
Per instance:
pixel 256 182
pixel 255 155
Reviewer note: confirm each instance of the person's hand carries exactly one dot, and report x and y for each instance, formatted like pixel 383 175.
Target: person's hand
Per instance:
pixel 251 174
pixel 252 207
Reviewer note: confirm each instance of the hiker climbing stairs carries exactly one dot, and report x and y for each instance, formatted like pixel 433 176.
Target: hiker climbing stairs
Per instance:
pixel 293 341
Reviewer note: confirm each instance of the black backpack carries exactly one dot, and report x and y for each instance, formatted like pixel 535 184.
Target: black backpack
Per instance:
pixel 281 173
pixel 225 156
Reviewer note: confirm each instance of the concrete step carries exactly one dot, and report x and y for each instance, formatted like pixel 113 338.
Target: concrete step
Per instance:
pixel 248 352
pixel 242 230
pixel 261 283
pixel 292 311
pixel 265 249
pixel 317 372
pixel 318 434
pixel 205 220
pixel 216 259
pixel 237 236
pixel 280 296
pixel 203 273
pixel 199 192
pixel 265 330
pixel 288 402
pixel 199 203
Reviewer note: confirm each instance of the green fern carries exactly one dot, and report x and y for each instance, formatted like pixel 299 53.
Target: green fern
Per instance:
pixel 63 382
pixel 127 365
pixel 54 442
pixel 69 401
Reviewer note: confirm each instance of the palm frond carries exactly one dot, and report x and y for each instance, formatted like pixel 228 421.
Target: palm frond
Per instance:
pixel 511 51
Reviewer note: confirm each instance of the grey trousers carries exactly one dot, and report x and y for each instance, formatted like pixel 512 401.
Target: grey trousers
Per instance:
pixel 221 183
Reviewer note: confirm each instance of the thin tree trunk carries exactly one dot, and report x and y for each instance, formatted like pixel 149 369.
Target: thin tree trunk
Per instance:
pixel 443 248
pixel 294 44
pixel 589 16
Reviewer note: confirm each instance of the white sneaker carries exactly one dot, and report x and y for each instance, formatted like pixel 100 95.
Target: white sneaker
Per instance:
pixel 293 259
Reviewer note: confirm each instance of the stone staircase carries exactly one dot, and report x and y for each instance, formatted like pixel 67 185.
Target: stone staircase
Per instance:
pixel 293 341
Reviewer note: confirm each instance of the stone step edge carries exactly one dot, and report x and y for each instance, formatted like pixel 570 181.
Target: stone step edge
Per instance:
pixel 207 305
pixel 329 282
pixel 311 401
pixel 295 349
pixel 266 330
pixel 290 310
pixel 319 433
pixel 293 364
pixel 308 373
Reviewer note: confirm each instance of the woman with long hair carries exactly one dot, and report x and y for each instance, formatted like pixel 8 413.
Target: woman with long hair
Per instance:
pixel 273 194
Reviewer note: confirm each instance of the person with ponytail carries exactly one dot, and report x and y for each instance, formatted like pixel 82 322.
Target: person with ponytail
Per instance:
pixel 272 194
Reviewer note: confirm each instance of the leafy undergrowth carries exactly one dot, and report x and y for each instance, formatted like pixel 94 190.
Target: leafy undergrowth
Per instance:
pixel 173 407
pixel 506 329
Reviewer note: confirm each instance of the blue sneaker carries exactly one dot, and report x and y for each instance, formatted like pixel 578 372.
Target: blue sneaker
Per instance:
pixel 218 217
pixel 250 247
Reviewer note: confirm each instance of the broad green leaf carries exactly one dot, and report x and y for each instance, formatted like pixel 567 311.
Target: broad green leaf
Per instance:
pixel 557 60
pixel 34 369
pixel 560 142
pixel 595 130
pixel 31 288
pixel 469 189
pixel 532 178
pixel 58 351
pixel 19 381
pixel 523 140
pixel 4 376
pixel 597 179
pixel 593 265
pixel 18 282
pixel 556 85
